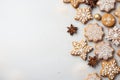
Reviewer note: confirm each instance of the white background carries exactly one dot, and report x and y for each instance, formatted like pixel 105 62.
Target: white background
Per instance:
pixel 34 44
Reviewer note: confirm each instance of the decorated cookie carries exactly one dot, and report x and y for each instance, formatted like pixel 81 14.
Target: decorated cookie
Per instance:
pixel 74 3
pixel 106 5
pixel 94 32
pixel 110 69
pixel 92 61
pixel 118 0
pixel 83 15
pixel 81 49
pixel 103 50
pixel 97 17
pixel 114 35
pixel 72 30
pixel 93 76
pixel 118 52
pixel 117 13
pixel 108 20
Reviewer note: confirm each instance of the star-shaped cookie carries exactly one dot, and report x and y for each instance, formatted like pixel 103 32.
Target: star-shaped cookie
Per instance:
pixel 93 76
pixel 117 13
pixel 103 50
pixel 106 5
pixel 110 69
pixel 74 3
pixel 114 35
pixel 81 49
pixel 84 15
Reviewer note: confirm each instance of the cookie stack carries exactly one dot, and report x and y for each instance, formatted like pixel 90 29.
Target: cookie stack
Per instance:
pixel 93 32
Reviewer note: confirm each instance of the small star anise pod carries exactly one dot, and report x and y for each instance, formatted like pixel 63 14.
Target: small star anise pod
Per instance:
pixel 92 3
pixel 72 30
pixel 92 61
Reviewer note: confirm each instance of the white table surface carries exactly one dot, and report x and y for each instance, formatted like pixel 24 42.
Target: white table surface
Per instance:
pixel 34 44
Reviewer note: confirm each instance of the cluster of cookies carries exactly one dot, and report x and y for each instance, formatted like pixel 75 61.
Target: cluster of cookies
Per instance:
pixel 93 32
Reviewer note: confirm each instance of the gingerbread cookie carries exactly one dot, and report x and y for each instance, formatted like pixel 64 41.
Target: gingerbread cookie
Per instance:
pixel 84 15
pixel 81 49
pixel 117 13
pixel 93 76
pixel 103 50
pixel 106 5
pixel 110 69
pixel 74 3
pixel 118 52
pixel 114 35
pixel 94 32
pixel 108 20
pixel 118 0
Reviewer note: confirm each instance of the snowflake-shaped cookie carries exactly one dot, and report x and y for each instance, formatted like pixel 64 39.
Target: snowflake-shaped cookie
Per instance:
pixel 93 76
pixel 81 49
pixel 94 32
pixel 106 5
pixel 83 15
pixel 117 13
pixel 103 50
pixel 110 69
pixel 114 36
pixel 74 3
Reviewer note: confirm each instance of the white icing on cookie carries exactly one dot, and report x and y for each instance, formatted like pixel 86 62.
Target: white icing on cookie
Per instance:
pixel 93 76
pixel 106 5
pixel 81 49
pixel 94 32
pixel 103 50
pixel 83 15
pixel 110 69
pixel 114 36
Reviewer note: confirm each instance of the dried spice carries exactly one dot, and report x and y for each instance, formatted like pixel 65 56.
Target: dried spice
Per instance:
pixel 92 61
pixel 72 30
pixel 91 3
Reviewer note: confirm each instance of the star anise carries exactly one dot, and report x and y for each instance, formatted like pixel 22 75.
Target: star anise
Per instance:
pixel 72 30
pixel 91 3
pixel 92 61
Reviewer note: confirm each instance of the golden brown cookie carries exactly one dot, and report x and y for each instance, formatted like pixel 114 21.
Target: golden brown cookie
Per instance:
pixel 94 32
pixel 81 49
pixel 108 20
pixel 118 52
pixel 118 0
pixel 117 13
pixel 84 15
pixel 74 3
pixel 93 76
pixel 103 50
pixel 110 69
pixel 106 5
pixel 114 35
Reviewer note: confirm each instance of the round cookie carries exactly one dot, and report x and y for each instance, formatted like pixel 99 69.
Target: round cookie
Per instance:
pixel 108 20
